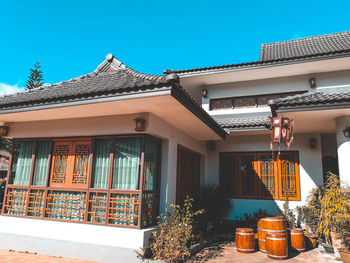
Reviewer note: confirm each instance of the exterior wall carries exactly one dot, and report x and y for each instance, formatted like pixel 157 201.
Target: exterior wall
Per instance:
pixel 343 144
pixel 310 168
pixel 109 239
pixel 325 83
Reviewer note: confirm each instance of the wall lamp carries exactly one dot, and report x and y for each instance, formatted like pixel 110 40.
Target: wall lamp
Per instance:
pixel 312 82
pixel 313 143
pixel 140 124
pixel 346 131
pixel 205 93
pixel 4 130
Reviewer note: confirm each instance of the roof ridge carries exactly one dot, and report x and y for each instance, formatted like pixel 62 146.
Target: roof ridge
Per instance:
pixel 305 38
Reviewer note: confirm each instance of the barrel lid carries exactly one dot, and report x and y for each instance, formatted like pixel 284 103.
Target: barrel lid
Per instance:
pixel 298 230
pixel 273 218
pixel 245 230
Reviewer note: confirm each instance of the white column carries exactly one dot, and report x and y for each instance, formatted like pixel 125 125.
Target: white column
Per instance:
pixel 343 144
pixel 168 179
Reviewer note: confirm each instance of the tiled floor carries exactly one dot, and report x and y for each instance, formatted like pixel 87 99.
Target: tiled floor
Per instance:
pixel 227 253
pixel 20 257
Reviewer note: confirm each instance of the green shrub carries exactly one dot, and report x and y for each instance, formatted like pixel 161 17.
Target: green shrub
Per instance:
pixel 312 211
pixel 216 206
pixel 335 208
pixel 288 214
pixel 176 232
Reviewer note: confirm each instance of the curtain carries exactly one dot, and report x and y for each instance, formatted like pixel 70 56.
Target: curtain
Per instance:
pixel 22 160
pixel 151 165
pixel 43 149
pixel 123 209
pixel 102 149
pixel 127 152
pixel 66 205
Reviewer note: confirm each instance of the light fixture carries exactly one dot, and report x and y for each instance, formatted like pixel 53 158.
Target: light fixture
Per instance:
pixel 346 131
pixel 4 130
pixel 312 143
pixel 312 82
pixel 140 124
pixel 205 93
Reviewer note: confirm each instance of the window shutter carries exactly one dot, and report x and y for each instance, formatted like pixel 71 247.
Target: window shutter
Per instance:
pixel 289 176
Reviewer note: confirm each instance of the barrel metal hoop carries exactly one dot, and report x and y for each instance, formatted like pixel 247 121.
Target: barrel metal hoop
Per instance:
pixel 273 238
pixel 262 240
pixel 285 256
pixel 246 249
pixel 300 234
pixel 263 250
pixel 244 234
pixel 266 230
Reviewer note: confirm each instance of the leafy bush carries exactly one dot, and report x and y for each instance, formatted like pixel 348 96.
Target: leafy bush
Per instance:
pixel 216 205
pixel 335 208
pixel 289 215
pixel 312 211
pixel 176 232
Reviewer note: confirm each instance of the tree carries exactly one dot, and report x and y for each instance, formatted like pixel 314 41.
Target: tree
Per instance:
pixel 35 78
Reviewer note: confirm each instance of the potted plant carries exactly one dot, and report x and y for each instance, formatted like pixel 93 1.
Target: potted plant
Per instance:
pixel 310 214
pixel 335 212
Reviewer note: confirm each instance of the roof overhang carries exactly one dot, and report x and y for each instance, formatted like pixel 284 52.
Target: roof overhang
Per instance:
pixel 266 70
pixel 316 120
pixel 168 103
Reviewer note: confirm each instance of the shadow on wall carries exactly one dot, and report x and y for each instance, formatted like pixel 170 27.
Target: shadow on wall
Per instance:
pixel 249 191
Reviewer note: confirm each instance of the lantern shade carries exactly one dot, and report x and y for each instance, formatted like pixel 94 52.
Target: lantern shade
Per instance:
pixel 140 124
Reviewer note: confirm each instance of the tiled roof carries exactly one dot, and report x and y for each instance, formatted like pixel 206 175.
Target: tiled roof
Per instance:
pixel 319 99
pixel 122 80
pixel 303 47
pixel 104 82
pixel 252 121
pixel 293 51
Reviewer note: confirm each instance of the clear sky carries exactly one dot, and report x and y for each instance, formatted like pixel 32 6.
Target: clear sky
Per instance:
pixel 71 38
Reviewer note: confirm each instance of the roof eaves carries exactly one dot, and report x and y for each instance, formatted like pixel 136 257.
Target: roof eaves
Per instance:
pixel 267 63
pixel 185 99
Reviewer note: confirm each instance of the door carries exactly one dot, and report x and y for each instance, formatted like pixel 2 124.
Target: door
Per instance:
pixel 188 174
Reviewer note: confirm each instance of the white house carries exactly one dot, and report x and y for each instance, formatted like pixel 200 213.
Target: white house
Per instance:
pixel 97 158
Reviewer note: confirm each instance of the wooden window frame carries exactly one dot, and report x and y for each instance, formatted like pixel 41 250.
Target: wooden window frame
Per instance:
pixel 88 189
pixel 256 98
pixel 236 192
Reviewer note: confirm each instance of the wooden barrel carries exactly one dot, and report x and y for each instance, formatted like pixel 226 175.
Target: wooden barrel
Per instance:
pixel 275 224
pixel 245 241
pixel 297 239
pixel 277 246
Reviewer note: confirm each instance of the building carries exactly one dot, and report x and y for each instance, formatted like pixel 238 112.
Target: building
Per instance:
pixel 97 158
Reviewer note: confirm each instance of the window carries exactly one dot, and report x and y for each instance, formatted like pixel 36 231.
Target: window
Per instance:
pixel 246 101
pixel 260 175
pixel 111 180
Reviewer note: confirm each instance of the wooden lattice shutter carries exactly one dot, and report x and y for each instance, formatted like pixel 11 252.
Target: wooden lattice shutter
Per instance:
pixel 70 165
pixel 267 176
pixel 288 172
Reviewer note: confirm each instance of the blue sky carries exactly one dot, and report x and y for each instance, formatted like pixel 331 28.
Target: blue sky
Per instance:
pixel 71 38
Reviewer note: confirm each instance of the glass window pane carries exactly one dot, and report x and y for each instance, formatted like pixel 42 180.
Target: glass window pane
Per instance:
pixel 126 166
pixel 102 149
pixel 151 164
pixel 43 150
pixel 21 163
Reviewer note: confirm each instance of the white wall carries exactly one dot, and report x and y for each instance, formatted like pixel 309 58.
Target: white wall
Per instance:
pixel 310 168
pixel 326 82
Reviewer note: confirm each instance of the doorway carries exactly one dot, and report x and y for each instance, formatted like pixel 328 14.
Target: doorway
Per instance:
pixel 188 174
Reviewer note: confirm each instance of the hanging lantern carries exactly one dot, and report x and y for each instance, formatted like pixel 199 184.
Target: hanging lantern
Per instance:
pixel 282 130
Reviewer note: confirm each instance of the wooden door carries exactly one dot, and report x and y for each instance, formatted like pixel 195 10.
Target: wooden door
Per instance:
pixel 188 174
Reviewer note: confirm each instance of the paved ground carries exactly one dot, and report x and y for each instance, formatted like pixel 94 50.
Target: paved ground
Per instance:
pixel 20 257
pixel 227 253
